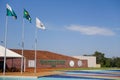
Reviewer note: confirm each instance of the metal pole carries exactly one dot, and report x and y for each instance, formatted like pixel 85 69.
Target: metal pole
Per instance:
pixel 4 69
pixel 24 64
pixel 22 47
pixel 35 50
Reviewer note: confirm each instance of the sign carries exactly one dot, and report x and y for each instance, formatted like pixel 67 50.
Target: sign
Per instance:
pixel 79 63
pixel 31 63
pixel 71 63
pixel 53 63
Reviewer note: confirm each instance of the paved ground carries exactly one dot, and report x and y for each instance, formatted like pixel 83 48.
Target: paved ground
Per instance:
pixel 67 75
pixel 30 74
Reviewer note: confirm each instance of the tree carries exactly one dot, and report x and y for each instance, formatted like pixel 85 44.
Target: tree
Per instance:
pixel 108 62
pixel 100 59
pixel 116 62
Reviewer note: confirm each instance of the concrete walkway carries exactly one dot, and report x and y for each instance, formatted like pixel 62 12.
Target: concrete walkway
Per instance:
pixel 30 74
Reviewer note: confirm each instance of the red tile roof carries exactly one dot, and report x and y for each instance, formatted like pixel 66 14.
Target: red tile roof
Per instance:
pixel 44 55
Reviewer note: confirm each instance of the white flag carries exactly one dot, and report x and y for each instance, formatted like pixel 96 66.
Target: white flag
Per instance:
pixel 39 24
pixel 10 11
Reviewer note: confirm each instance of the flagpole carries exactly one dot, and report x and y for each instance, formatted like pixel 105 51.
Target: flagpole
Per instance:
pixel 35 50
pixel 22 46
pixel 4 69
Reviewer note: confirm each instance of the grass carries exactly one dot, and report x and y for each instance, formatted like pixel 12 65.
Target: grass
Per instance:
pixel 104 68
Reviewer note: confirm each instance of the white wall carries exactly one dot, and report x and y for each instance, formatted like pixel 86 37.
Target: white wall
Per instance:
pixel 91 60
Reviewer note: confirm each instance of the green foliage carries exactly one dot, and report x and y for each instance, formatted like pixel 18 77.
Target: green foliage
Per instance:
pixel 100 58
pixel 106 62
pixel 116 62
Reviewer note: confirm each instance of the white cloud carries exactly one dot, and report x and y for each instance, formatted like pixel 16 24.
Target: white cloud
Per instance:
pixel 91 30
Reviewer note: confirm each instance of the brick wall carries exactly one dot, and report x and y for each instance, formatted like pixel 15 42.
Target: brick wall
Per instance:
pixel 13 62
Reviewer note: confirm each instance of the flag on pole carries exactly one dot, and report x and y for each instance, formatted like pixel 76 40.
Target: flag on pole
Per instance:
pixel 26 15
pixel 39 24
pixel 10 11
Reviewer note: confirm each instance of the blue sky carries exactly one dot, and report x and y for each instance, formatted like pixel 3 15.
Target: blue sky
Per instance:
pixel 73 27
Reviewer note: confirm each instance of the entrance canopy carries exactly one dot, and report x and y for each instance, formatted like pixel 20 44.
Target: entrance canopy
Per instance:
pixel 9 53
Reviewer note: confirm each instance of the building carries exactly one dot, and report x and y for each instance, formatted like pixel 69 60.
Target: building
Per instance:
pixel 12 59
pixel 90 59
pixel 45 60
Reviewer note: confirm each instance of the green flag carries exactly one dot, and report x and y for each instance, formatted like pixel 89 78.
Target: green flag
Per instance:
pixel 10 12
pixel 26 15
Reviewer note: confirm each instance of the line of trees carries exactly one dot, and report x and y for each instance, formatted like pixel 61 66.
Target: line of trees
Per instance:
pixel 106 62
